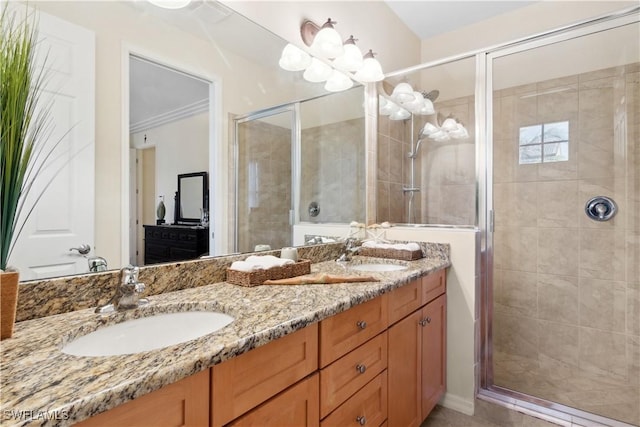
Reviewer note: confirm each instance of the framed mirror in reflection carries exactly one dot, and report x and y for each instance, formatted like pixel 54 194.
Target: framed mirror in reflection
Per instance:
pixel 193 191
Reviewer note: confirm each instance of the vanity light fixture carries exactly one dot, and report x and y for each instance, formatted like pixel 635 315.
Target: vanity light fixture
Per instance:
pixel 351 59
pixel 338 81
pixel 317 71
pixel 331 60
pixel 327 43
pixel 170 4
pixel 371 70
pixel 450 128
pixel 294 58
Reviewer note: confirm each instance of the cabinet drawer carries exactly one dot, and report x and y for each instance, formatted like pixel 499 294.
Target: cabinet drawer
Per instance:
pixel 367 407
pixel 296 406
pixel 183 403
pixel 345 331
pixel 243 382
pixel 405 300
pixel 433 285
pixel 345 376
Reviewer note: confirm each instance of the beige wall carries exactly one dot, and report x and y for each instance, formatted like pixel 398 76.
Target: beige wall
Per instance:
pixel 523 22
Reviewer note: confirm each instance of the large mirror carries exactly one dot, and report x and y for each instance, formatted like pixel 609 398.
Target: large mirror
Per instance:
pixel 236 58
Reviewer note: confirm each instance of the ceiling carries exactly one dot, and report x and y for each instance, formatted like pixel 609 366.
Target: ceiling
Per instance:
pixel 432 17
pixel 209 19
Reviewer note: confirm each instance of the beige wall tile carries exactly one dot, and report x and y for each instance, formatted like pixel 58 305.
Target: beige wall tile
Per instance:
pixel 516 248
pixel 383 158
pixel 515 204
pixel 516 336
pixel 558 298
pixel 559 341
pixel 633 308
pixel 603 304
pixel 558 204
pixel 515 293
pixel 603 353
pixel 632 251
pixel 558 251
pixel 602 254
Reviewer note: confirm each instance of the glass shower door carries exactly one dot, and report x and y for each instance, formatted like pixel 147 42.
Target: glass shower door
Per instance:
pixel 566 285
pixel 263 149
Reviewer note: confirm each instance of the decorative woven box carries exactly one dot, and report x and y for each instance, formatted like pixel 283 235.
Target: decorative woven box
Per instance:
pixel 391 253
pixel 255 278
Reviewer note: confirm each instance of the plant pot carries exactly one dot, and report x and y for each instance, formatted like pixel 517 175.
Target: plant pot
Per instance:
pixel 8 302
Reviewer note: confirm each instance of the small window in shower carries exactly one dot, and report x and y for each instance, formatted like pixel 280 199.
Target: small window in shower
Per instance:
pixel 544 143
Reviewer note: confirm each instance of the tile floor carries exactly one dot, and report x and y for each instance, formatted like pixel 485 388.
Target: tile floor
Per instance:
pixel 487 415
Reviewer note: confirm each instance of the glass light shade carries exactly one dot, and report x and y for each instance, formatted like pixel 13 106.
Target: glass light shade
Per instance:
pixel 317 72
pixel 427 108
pixel 170 4
pixel 416 104
pixel 328 43
pixel 294 58
pixel 449 124
pixel 429 129
pixel 401 114
pixel 351 59
pixel 438 135
pixel 388 108
pixel 402 93
pixel 371 71
pixel 338 82
pixel 459 133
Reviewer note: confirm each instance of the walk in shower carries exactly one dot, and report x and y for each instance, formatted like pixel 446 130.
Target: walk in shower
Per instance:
pixel 550 175
pixel 302 162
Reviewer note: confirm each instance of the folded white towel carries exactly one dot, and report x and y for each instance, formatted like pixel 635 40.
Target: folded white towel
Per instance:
pixel 268 261
pixel 398 246
pixel 245 266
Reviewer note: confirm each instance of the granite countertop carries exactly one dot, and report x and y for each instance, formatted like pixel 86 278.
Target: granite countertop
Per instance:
pixel 43 386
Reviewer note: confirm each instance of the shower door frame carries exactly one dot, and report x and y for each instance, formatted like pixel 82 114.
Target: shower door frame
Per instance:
pixel 484 95
pixel 294 110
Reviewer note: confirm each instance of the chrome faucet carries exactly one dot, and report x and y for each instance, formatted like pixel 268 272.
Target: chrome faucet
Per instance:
pixel 127 295
pixel 349 250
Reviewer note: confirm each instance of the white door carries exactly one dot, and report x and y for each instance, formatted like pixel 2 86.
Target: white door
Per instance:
pixel 64 216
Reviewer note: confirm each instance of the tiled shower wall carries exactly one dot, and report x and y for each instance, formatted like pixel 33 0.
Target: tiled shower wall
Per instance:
pixel 265 192
pixel 443 171
pixel 333 172
pixel 566 319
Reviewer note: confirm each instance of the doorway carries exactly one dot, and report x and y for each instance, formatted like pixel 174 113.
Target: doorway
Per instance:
pixel 169 134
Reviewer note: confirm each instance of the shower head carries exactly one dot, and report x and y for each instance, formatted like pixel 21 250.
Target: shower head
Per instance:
pixel 431 95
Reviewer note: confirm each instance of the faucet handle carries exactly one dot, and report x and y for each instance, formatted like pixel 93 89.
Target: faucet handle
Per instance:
pixel 130 274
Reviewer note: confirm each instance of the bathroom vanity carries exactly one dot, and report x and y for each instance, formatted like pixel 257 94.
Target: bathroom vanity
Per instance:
pixel 335 373
pixel 297 355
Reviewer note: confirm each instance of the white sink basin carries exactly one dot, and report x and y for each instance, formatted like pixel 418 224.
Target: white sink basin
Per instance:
pixel 147 333
pixel 378 267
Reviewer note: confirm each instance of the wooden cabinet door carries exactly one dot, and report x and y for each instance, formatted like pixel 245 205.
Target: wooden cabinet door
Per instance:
pixel 294 407
pixel 434 347
pixel 243 382
pixel 184 403
pixel 404 372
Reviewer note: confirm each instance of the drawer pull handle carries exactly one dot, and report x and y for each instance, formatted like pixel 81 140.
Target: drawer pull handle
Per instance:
pixel 424 321
pixel 361 420
pixel 361 324
pixel 361 368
